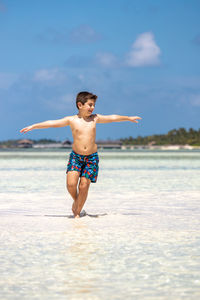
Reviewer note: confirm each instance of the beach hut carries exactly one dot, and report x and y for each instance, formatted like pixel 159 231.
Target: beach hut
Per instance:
pixel 25 143
pixel 67 144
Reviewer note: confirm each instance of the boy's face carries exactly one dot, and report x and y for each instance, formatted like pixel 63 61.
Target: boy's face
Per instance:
pixel 87 108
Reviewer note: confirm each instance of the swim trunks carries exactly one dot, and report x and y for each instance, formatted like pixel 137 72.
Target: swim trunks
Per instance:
pixel 87 165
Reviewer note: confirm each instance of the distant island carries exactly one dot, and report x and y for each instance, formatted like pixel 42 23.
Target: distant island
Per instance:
pixel 174 139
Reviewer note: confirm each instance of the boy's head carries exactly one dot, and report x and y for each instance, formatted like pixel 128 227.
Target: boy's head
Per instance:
pixel 83 97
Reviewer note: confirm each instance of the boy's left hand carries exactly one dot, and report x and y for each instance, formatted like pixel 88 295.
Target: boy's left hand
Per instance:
pixel 134 119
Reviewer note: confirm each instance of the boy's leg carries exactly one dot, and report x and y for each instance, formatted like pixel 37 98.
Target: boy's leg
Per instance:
pixel 72 182
pixel 84 185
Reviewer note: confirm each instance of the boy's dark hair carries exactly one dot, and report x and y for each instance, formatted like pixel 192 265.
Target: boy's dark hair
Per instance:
pixel 83 97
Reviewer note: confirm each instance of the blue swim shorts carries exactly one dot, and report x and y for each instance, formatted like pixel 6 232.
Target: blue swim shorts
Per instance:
pixel 87 165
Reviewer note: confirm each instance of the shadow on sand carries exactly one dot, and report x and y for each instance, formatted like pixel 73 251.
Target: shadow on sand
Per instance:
pixel 81 215
pixel 69 216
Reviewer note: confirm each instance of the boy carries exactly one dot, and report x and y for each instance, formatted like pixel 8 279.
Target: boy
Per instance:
pixel 83 160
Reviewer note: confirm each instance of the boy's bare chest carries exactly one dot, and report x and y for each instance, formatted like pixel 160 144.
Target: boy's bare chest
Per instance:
pixel 83 127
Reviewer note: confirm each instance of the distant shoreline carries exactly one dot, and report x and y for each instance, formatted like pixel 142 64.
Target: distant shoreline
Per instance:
pixel 104 147
pixel 175 139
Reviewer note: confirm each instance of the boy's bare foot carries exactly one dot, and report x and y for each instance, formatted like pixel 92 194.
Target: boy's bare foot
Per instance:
pixel 82 214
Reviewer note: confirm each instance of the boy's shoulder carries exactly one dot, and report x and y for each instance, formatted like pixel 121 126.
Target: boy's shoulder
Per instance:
pixel 94 117
pixel 71 118
pixel 75 118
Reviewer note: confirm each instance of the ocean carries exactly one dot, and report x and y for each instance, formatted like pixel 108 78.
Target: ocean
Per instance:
pixel 140 238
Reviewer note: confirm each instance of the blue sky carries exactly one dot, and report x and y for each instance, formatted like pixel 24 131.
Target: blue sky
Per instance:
pixel 140 58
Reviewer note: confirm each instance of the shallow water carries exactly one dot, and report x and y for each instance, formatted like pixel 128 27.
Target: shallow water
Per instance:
pixel 140 239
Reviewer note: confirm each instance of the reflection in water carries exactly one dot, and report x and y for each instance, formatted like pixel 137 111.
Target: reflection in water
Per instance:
pixel 83 254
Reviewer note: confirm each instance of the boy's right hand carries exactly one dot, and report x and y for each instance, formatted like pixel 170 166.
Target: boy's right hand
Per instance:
pixel 26 129
pixel 135 119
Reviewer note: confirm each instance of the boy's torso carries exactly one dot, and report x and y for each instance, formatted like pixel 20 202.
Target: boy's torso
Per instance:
pixel 84 134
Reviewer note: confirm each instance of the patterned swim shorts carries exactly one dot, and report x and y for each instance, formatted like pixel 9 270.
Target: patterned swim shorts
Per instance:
pixel 87 165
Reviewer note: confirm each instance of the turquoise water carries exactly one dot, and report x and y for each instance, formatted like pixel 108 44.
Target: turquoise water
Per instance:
pixel 140 239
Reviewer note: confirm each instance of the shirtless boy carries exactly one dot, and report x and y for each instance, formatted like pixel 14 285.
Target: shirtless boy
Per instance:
pixel 83 160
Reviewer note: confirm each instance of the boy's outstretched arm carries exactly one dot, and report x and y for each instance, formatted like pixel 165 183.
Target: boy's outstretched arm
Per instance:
pixel 116 118
pixel 51 123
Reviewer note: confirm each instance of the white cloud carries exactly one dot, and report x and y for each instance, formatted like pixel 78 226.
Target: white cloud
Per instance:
pixel 53 36
pixel 61 102
pixel 67 98
pixel 7 79
pixel 84 34
pixel 195 100
pixel 54 76
pixel 106 59
pixel 45 75
pixel 144 52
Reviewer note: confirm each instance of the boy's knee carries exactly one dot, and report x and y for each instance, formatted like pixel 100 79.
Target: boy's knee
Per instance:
pixel 71 185
pixel 84 185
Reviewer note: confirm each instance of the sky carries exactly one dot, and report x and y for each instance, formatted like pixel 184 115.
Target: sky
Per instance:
pixel 140 57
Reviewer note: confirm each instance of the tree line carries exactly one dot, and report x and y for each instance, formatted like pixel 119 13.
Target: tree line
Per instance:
pixel 174 137
pixel 179 136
